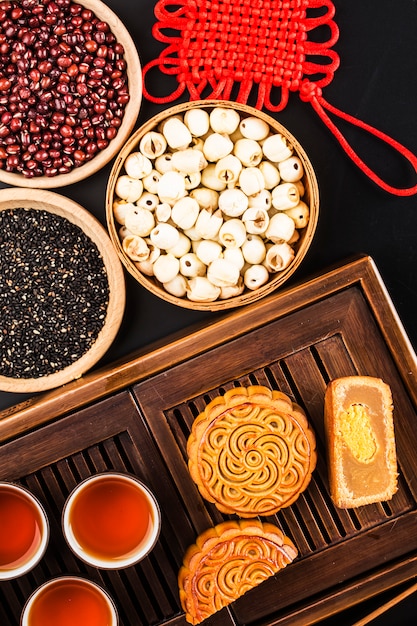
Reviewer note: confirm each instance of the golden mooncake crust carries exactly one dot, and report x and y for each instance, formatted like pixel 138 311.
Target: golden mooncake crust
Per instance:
pixel 251 452
pixel 227 561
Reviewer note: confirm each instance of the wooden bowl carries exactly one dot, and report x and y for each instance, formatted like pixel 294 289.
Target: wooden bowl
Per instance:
pixel 71 213
pixel 134 73
pixel 311 198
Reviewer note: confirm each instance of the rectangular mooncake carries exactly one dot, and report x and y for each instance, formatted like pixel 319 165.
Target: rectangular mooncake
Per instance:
pixel 358 415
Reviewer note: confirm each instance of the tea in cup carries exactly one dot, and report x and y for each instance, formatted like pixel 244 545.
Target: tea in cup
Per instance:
pixel 69 600
pixel 24 531
pixel 111 520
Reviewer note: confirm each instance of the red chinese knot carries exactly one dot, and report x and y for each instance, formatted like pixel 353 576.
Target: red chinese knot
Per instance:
pixel 234 49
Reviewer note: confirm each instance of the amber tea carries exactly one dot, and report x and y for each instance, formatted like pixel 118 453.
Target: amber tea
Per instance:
pixel 67 601
pixel 24 531
pixel 111 520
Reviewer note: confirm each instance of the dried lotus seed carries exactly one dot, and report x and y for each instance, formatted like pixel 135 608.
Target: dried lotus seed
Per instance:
pixel 222 273
pixel 200 289
pixel 278 257
pixel 262 200
pixel 231 291
pixel 124 232
pixel 152 144
pixel 255 276
pixel 164 236
pixel 197 143
pixel 236 135
pixel 182 246
pixel 285 196
pixel 248 151
pixel 300 186
pixel 136 248
pixel 256 220
pixel 189 161
pixel 137 165
pixel 192 180
pixel 206 198
pixel 291 170
pixel 145 267
pixel 119 210
pixel 164 163
pixel 127 188
pixel 276 149
pixel 294 238
pixel 251 181
pixel 217 146
pixel 166 267
pixel 207 250
pixel 228 169
pixel 192 234
pixel 177 286
pixel 191 265
pixel 254 250
pixel 270 173
pixel 208 224
pixel 171 187
pixel 185 212
pixel 198 121
pixel 163 212
pixel 210 180
pixel 233 202
pixel 148 201
pixel 139 221
pixel 176 133
pixel 281 228
pixel 232 233
pixel 300 214
pixel 150 182
pixel 224 120
pixel 254 128
pixel 235 256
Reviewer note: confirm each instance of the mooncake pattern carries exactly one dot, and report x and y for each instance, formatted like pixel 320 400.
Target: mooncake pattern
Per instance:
pixel 251 452
pixel 227 561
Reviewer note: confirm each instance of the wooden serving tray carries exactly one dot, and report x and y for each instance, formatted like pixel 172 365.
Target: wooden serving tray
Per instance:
pixel 136 417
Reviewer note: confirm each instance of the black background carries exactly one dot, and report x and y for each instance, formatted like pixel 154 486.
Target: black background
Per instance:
pixel 376 82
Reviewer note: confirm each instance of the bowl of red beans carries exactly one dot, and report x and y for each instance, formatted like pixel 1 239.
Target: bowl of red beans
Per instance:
pixel 70 90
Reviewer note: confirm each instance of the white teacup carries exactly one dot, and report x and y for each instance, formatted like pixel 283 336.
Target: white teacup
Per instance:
pixel 24 531
pixel 111 520
pixel 69 601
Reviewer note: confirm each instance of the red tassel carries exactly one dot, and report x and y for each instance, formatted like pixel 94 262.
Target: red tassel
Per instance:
pixel 262 46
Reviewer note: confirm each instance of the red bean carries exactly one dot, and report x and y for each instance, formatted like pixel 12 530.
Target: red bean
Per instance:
pixel 64 61
pixel 63 86
pixel 66 130
pixel 5 84
pixel 16 124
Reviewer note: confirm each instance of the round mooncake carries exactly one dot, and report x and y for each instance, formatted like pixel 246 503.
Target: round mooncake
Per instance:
pixel 227 561
pixel 251 452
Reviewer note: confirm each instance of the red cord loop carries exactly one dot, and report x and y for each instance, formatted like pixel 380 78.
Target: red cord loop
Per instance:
pixel 262 46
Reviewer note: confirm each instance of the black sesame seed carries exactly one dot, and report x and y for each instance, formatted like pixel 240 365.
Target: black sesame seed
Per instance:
pixel 54 293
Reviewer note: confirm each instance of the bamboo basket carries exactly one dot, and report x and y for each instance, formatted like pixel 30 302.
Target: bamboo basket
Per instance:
pixel 44 200
pixel 134 75
pixel 311 197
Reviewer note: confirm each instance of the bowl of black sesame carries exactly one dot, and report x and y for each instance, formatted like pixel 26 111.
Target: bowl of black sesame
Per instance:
pixel 62 290
pixel 70 90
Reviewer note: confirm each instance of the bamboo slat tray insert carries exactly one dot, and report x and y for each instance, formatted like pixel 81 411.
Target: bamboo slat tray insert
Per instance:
pixel 136 417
